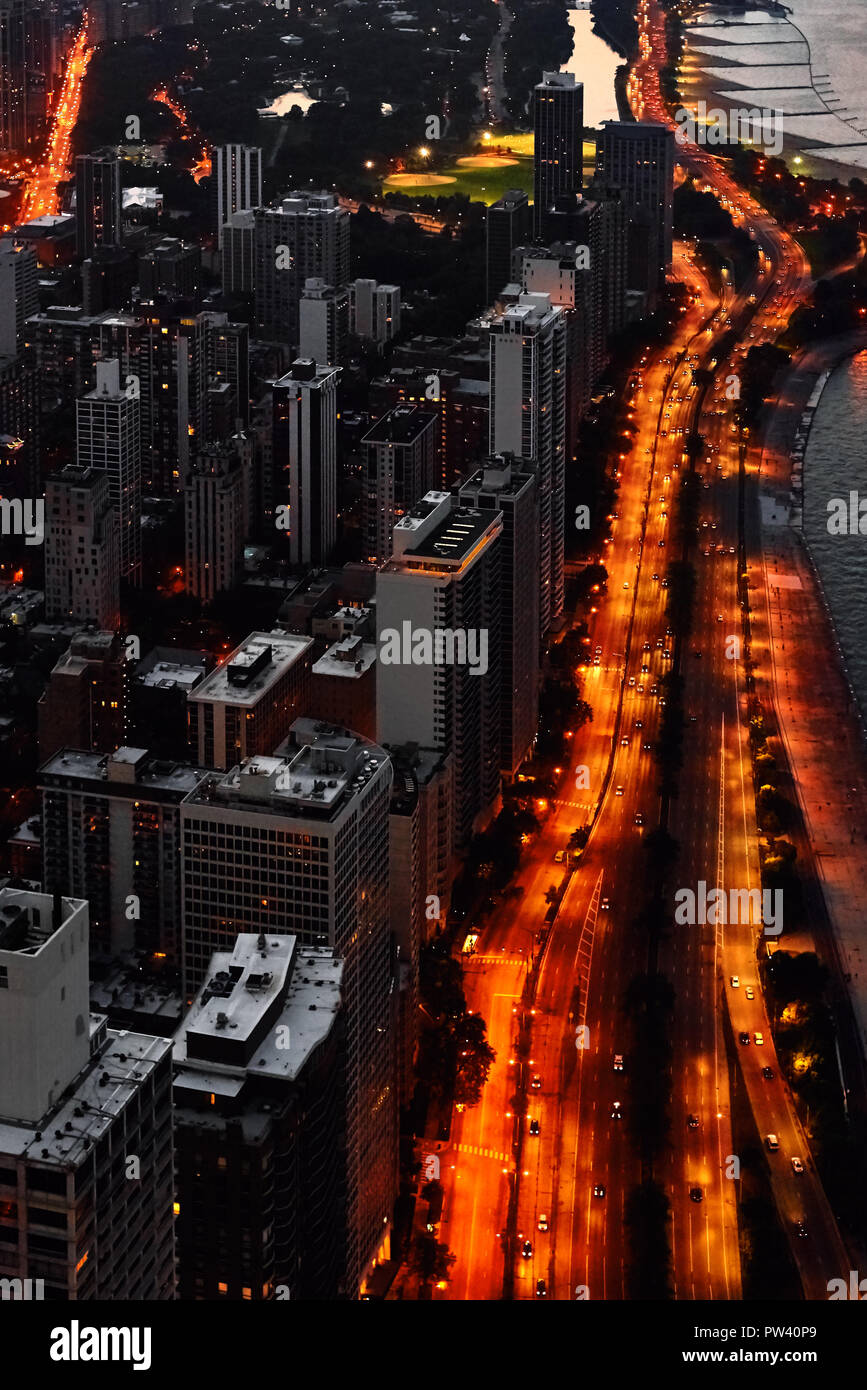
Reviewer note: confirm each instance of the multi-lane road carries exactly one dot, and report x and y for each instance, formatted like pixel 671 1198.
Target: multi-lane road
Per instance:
pixel 578 1159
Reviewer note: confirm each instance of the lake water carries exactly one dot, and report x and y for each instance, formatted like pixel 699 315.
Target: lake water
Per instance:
pixel 835 464
pixel 593 63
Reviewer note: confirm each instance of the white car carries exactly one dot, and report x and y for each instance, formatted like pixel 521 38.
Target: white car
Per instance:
pixel 735 982
pixel 797 1165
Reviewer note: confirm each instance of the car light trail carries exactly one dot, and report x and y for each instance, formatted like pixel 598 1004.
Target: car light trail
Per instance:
pixel 42 198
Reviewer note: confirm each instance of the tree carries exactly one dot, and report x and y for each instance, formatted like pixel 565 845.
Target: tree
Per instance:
pixel 430 1260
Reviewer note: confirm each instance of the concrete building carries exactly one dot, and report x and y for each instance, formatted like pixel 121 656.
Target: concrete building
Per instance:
pixel 297 845
pixel 508 224
pixel 108 438
pixel 238 259
pixel 505 486
pixel 374 311
pixel 438 626
pixel 78 1102
pixel 246 706
pixel 304 460
pixel 98 206
pixel 216 517
pixel 260 1108
pixel 236 183
pixel 85 703
pixel 19 295
pixel 558 151
pixel 306 235
pixel 171 267
pixel 528 419
pixel 343 685
pixel 638 158
pixel 323 322
pixel 111 834
pixel 82 549
pixel 399 455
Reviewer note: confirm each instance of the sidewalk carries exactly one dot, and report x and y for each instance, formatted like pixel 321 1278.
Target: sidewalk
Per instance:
pixel 794 643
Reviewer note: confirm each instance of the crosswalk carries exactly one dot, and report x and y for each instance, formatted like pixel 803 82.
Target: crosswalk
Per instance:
pixel 495 958
pixel 586 806
pixel 481 1153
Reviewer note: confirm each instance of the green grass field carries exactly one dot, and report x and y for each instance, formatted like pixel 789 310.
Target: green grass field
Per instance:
pixel 487 185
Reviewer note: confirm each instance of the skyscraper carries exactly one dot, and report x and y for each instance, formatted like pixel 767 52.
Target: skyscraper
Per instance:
pixel 236 182
pixel 297 845
pixel 216 503
pixel 239 252
pixel 82 549
pixel 374 310
pixel 108 437
pixel 304 459
pixel 503 484
pixel 528 419
pixel 306 234
pixel 558 125
pixel 399 461
pixel 78 1100
pixel 508 225
pixel 19 295
pixel 323 322
pixel 245 707
pixel 638 158
pixel 440 591
pixel 97 202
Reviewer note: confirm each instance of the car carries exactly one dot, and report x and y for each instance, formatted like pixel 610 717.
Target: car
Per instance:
pixel 618 1061
pixel 626 583
pixel 536 1082
pixel 707 552
pixel 542 1223
pixel 645 669
pixel 639 689
pixel 631 680
pixel 654 690
pixel 759 1039
pixel 559 857
pixel 597 661
pixel 696 1194
pixel 660 643
pixel 800 1229
pixel 618 791
pixel 692 1121
pixel 797 1165
pixel 768 1073
pixel 604 905
pixel 696 652
pixel 736 982
pixel 772 1142
pixel 749 992
pixel 527 1249
pixel 639 818
pixel 693 719
pixel 598 1190
pixel 646 747
pixel 660 542
pixel 720 618
pixel 541 1290
pixel 664 584
pixel 744 1038
pixel 654 576
pixel 646 647
pixel 534 1126
pixel 624 742
pixel 666 654
pixel 616 1112
pixel 732 550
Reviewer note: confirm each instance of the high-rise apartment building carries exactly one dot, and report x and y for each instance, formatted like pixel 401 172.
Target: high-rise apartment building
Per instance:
pixel 236 183
pixel 98 204
pixel 108 437
pixel 247 705
pixel 238 255
pixel 509 224
pixel 558 126
pixel 306 235
pixel 304 460
pixel 638 158
pixel 111 834
pixel 172 267
pixel 85 703
pixel 504 485
pixel 323 322
pixel 439 635
pixel 297 845
pixel 19 296
pixel 260 1108
pixel 78 1100
pixel 216 517
pixel 374 311
pixel 399 462
pixel 82 549
pixel 528 419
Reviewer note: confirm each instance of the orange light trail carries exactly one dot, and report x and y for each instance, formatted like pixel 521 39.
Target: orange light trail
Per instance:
pixel 202 168
pixel 42 197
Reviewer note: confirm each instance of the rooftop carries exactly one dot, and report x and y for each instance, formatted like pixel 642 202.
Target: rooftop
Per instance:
pixel 401 425
pixel 349 658
pixel 251 669
pixel 145 773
